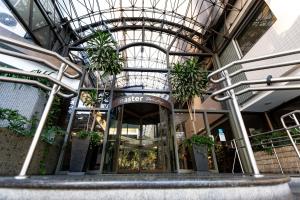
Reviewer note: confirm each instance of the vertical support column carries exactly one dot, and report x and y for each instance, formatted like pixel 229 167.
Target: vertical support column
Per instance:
pixel 172 110
pixel 209 134
pixel 240 123
pixel 106 132
pixel 68 131
pixel 41 124
pixel 235 126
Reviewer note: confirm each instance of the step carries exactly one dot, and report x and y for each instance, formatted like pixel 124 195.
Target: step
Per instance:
pixel 147 186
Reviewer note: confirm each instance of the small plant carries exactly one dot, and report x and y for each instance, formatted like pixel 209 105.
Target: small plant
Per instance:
pixel 95 137
pixel 200 140
pixel 20 125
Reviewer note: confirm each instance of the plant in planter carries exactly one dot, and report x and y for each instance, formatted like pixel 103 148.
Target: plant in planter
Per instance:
pixel 189 80
pixel 80 144
pixel 105 59
pixel 199 145
pixel 16 133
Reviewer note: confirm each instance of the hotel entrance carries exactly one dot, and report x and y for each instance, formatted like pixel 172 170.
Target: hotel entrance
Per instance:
pixel 140 136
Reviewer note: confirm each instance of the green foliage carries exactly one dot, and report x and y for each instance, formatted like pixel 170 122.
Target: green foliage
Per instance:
pixel 16 122
pixel 189 80
pixel 200 140
pixel 42 168
pixel 95 137
pixel 54 112
pixel 19 125
pixel 263 142
pixel 103 54
pixel 91 98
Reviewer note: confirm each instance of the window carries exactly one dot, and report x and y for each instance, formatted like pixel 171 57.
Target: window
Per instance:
pixel 261 21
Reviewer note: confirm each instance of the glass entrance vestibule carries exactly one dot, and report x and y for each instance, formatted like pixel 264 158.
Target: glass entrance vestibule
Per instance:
pixel 140 137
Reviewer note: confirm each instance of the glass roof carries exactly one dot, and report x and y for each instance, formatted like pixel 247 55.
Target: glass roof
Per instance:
pixel 177 25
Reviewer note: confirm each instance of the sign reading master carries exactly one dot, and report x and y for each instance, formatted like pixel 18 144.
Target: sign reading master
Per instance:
pixel 141 99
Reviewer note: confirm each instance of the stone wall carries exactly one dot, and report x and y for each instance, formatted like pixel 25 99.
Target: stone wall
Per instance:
pixel 267 162
pixel 13 150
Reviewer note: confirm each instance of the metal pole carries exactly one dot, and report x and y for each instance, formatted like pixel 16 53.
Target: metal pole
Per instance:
pixel 173 127
pixel 290 137
pixel 241 125
pixel 39 129
pixel 106 132
pixel 238 155
pixel 64 146
pixel 206 123
pixel 275 153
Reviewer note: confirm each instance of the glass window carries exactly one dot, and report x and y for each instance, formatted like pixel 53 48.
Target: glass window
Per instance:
pixel 261 21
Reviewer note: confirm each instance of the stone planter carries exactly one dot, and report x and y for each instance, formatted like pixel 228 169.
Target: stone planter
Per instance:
pixel 200 157
pixel 13 150
pixel 78 153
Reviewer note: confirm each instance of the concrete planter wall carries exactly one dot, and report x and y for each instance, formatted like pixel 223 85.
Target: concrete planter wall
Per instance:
pixel 13 150
pixel 28 100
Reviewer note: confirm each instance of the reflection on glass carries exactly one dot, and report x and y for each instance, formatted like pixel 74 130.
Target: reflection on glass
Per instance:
pixel 139 140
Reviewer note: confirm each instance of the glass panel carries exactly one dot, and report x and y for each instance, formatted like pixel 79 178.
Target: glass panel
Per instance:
pixel 23 7
pixel 38 19
pixel 262 20
pixel 139 140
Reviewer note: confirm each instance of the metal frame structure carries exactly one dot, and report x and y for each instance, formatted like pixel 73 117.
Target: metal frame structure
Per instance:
pixel 157 32
pixel 229 93
pixel 56 87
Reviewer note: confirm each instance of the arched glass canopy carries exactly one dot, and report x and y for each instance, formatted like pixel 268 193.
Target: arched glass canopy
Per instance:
pixel 145 30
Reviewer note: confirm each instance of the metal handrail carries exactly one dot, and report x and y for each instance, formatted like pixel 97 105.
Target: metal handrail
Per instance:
pixel 40 50
pixel 33 82
pixel 263 88
pixel 244 61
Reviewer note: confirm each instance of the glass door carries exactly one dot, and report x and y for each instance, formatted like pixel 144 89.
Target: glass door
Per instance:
pixel 139 140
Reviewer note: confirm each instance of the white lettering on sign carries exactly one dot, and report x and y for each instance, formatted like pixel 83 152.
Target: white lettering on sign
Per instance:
pixel 131 99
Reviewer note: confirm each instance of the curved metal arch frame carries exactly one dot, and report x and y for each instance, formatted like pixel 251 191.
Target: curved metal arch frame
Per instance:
pixel 154 78
pixel 141 19
pixel 150 28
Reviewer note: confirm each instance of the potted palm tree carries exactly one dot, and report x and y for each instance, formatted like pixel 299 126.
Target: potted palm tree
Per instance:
pixel 189 80
pixel 105 61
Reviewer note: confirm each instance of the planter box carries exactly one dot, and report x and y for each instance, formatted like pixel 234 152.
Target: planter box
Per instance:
pixel 200 157
pixel 78 153
pixel 13 150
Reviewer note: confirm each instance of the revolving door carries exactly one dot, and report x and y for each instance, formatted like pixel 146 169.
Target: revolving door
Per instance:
pixel 140 139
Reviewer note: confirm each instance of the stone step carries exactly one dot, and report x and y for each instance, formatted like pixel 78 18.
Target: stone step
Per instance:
pixel 145 186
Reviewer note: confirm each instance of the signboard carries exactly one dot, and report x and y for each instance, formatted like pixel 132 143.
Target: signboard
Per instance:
pixel 141 99
pixel 221 135
pixel 180 135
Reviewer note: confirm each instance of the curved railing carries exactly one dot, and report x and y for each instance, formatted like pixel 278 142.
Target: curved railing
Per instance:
pixel 40 60
pixel 225 76
pixel 36 82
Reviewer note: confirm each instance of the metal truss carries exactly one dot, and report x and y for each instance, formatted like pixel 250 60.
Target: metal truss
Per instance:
pixel 148 32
